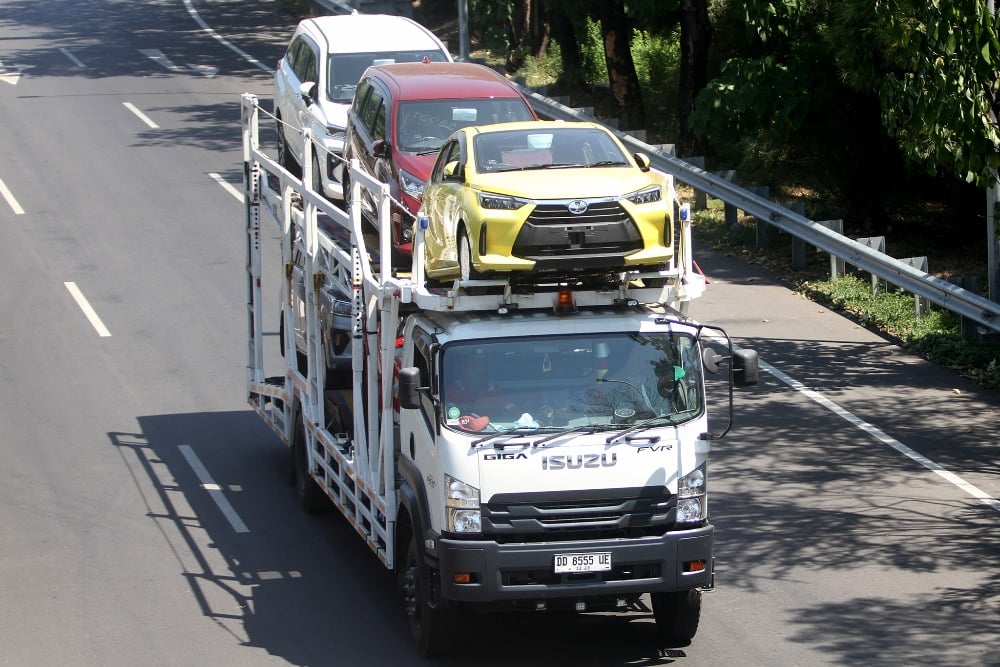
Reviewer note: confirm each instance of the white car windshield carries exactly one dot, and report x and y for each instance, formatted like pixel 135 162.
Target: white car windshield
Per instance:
pixel 344 70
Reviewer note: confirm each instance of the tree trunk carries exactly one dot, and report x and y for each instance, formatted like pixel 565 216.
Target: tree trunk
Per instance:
pixel 617 35
pixel 519 35
pixel 563 32
pixel 696 35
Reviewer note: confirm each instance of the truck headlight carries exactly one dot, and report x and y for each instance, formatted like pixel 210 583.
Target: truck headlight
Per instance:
pixel 692 496
pixel 461 503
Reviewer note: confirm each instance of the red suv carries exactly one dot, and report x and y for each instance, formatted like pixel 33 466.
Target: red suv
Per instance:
pixel 402 114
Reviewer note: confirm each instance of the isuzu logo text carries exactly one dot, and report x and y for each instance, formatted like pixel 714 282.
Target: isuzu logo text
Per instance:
pixel 571 462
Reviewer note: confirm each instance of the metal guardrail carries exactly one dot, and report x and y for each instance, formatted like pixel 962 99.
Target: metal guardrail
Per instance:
pixel 951 297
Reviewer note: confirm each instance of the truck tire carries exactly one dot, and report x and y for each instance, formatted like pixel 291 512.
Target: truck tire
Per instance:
pixel 432 627
pixel 677 614
pixel 310 496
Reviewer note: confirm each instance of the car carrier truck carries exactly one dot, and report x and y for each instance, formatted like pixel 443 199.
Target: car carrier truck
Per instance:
pixel 513 447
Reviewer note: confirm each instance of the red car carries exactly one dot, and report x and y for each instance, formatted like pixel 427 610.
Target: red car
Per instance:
pixel 401 115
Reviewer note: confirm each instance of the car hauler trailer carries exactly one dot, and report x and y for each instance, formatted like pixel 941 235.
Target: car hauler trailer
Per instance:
pixel 514 446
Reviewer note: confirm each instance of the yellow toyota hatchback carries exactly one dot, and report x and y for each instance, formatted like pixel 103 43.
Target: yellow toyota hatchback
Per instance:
pixel 544 197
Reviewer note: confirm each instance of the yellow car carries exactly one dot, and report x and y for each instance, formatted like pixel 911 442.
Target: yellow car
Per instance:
pixel 547 197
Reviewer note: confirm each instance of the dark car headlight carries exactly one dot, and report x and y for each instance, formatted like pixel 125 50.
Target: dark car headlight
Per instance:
pixel 647 196
pixel 499 202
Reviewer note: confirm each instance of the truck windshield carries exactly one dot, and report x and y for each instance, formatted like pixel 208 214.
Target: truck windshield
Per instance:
pixel 570 381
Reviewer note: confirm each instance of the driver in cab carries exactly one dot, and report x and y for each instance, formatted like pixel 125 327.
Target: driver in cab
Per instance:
pixel 471 398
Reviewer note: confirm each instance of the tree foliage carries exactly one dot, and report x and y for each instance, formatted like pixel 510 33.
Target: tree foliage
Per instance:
pixel 941 83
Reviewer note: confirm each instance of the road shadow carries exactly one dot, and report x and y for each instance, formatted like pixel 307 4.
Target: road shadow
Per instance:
pixel 306 588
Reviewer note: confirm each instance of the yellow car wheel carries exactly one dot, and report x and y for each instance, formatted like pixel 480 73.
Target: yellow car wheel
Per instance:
pixel 465 269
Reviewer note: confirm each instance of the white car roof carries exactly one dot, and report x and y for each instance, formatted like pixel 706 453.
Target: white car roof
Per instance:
pixel 361 33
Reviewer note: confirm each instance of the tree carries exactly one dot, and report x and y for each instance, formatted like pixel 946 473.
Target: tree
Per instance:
pixel 616 34
pixel 696 37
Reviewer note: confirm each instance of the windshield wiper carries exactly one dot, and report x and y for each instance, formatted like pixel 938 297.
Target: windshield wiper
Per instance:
pixel 608 163
pixel 586 428
pixel 671 420
pixel 520 430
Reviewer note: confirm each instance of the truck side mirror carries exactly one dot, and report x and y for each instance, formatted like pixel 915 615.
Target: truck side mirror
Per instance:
pixel 746 368
pixel 711 360
pixel 409 388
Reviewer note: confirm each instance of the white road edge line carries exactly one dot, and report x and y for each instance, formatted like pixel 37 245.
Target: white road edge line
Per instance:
pixel 884 438
pixel 143 117
pixel 91 314
pixel 228 187
pixel 214 491
pixel 222 40
pixel 9 196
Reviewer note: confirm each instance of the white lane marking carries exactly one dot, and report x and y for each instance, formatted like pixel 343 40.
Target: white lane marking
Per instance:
pixel 157 57
pixel 214 491
pixel 228 187
pixel 143 117
pixel 884 438
pixel 76 61
pixel 91 314
pixel 8 76
pixel 9 196
pixel 206 71
pixel 222 40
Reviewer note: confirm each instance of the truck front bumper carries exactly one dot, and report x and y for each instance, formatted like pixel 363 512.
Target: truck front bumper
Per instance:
pixel 678 560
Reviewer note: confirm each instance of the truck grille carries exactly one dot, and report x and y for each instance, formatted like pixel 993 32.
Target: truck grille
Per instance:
pixel 577 515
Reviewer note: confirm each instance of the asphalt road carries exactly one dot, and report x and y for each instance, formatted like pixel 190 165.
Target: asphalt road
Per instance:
pixel 145 511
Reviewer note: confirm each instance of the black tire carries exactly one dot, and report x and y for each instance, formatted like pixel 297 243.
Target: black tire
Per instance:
pixel 677 615
pixel 285 158
pixel 310 496
pixel 432 627
pixel 654 282
pixel 317 175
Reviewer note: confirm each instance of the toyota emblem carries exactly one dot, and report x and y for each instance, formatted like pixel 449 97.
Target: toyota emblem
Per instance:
pixel 577 207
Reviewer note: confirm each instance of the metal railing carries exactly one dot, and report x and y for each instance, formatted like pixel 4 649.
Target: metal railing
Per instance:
pixel 951 297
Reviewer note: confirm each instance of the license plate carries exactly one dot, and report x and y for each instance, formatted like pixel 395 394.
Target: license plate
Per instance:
pixel 592 562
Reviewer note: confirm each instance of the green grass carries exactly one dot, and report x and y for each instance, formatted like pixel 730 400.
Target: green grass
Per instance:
pixel 936 336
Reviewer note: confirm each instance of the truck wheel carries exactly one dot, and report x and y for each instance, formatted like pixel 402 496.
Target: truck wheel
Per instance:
pixel 431 627
pixel 310 495
pixel 677 614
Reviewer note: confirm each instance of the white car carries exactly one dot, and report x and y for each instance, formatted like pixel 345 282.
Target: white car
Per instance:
pixel 315 80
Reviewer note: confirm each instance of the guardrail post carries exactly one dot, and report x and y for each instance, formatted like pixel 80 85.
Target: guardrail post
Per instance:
pixel 923 306
pixel 876 243
pixel 700 196
pixel 763 227
pixel 970 331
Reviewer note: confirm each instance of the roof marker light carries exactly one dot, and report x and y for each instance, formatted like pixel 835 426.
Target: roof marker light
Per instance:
pixel 564 302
